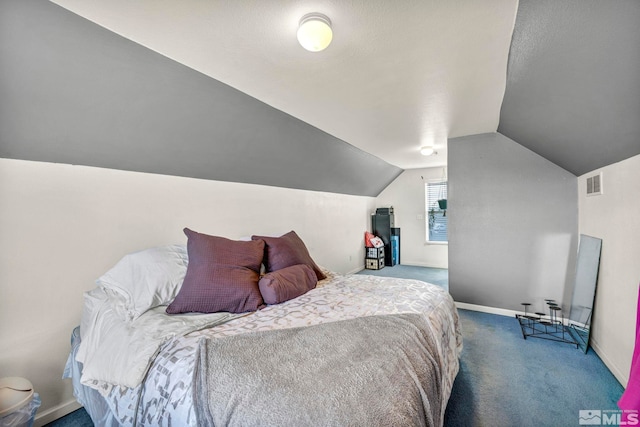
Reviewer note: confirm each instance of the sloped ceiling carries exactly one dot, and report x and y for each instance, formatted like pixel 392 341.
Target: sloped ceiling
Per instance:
pixel 397 76
pixel 74 92
pixel 573 85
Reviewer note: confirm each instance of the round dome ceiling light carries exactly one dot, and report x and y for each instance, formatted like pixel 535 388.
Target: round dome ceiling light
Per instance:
pixel 427 150
pixel 314 32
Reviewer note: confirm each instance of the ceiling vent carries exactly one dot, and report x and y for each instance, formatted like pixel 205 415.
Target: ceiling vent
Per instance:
pixel 594 185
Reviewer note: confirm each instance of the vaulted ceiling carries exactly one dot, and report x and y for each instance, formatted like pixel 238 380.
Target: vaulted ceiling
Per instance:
pixel 397 75
pixel 561 77
pixel 573 82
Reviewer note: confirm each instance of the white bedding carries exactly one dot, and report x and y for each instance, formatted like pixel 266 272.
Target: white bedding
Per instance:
pixel 118 352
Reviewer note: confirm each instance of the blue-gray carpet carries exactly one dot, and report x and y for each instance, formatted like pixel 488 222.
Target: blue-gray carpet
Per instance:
pixel 437 276
pixel 505 380
pixel 78 418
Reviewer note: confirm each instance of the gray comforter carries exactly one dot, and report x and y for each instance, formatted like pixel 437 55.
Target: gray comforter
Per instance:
pixel 369 371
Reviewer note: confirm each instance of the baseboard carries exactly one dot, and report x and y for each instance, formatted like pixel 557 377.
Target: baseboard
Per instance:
pixel 357 270
pixel 485 309
pixel 52 414
pixel 421 264
pixel 620 376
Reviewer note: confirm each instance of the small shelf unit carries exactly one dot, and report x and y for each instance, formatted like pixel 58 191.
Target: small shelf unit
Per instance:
pixel 374 258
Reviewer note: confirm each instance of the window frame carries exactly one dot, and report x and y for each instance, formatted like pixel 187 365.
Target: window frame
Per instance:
pixel 427 205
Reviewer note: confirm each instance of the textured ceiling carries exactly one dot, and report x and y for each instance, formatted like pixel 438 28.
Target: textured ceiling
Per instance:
pixel 398 75
pixel 74 92
pixel 573 85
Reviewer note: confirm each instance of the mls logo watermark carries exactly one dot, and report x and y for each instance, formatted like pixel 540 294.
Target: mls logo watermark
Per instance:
pixel 590 417
pixel 608 417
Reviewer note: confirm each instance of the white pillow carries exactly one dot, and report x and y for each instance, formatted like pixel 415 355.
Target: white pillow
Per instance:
pixel 146 279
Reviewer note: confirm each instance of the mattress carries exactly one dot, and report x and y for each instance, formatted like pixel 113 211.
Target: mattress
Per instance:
pixel 165 396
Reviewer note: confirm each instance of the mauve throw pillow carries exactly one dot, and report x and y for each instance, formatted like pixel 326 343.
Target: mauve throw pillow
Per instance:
pixel 288 283
pixel 287 250
pixel 222 275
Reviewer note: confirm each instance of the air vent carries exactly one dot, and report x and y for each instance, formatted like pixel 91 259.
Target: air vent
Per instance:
pixel 594 185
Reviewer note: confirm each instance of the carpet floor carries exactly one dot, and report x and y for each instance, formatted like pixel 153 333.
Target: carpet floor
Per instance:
pixel 504 380
pixel 437 276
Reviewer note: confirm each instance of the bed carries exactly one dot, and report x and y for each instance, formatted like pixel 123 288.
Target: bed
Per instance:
pixel 320 348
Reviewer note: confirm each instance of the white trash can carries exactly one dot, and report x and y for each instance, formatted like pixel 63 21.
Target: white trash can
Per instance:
pixel 18 402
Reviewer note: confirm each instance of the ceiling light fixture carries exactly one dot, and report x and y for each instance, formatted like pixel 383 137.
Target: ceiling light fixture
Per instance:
pixel 314 32
pixel 427 150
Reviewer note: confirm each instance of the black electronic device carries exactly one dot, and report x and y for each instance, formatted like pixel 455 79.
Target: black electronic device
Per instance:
pixel 385 211
pixel 382 223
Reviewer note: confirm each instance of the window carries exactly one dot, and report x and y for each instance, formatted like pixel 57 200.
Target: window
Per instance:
pixel 436 208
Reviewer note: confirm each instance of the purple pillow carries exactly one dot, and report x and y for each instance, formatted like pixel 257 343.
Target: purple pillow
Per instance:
pixel 288 283
pixel 287 250
pixel 222 275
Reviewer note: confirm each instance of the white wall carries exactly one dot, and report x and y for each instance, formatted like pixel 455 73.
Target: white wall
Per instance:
pixel 614 217
pixel 62 226
pixel 406 195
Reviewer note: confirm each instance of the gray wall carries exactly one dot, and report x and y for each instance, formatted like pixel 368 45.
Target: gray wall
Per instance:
pixel 513 224
pixel 74 92
pixel 573 81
